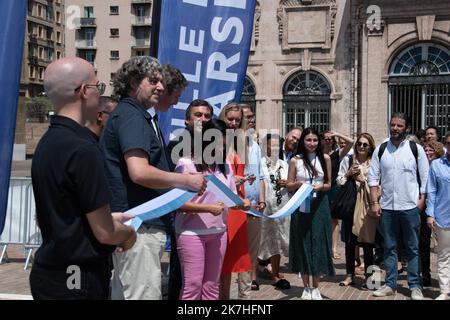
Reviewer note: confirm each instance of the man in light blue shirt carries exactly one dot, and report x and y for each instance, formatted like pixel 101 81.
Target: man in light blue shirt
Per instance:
pixel 438 212
pixel 255 191
pixel 403 179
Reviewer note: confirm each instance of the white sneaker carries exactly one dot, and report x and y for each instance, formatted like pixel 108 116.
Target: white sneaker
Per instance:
pixel 443 296
pixel 315 294
pixel 416 294
pixel 306 295
pixel 384 291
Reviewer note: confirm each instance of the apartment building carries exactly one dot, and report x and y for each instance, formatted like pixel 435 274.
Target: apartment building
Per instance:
pixel 43 43
pixel 107 33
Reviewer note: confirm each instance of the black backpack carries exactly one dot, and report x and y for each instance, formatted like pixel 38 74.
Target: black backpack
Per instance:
pixel 414 150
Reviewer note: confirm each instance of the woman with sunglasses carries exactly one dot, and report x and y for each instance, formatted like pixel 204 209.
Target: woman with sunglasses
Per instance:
pixel 363 149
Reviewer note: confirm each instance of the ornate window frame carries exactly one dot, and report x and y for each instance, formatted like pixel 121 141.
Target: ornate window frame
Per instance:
pixel 289 9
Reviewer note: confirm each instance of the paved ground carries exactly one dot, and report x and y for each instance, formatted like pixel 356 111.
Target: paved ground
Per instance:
pixel 14 282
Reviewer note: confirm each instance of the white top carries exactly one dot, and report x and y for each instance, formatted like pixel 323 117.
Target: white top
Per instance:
pixel 304 176
pixel 152 112
pixel 344 166
pixel 397 175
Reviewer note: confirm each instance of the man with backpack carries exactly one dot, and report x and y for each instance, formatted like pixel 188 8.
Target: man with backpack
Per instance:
pixel 400 167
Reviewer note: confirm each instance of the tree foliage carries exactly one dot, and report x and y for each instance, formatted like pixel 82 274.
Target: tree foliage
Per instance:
pixel 38 108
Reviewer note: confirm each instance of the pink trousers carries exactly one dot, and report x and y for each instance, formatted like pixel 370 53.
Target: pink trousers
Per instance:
pixel 201 258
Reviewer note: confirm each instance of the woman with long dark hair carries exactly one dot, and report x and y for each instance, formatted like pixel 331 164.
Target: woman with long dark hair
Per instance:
pixel 201 223
pixel 310 234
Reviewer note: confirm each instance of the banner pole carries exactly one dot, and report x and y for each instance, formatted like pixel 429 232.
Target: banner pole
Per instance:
pixel 154 35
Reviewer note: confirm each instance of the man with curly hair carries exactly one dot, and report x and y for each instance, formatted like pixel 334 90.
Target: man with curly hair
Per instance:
pixel 138 170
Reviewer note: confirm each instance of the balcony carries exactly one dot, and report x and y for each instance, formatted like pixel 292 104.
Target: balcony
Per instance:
pixel 86 44
pixel 141 1
pixel 141 21
pixel 86 23
pixel 141 44
pixel 34 38
pixel 40 20
pixel 33 60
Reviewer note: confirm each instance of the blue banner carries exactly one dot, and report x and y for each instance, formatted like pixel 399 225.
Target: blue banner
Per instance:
pixel 209 41
pixel 12 31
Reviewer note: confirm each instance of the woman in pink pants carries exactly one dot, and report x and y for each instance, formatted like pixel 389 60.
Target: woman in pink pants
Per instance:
pixel 201 225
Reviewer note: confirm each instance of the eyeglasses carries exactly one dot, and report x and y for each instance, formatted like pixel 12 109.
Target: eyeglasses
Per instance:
pixel 327 139
pixel 106 112
pixel 276 187
pixel 362 144
pixel 100 87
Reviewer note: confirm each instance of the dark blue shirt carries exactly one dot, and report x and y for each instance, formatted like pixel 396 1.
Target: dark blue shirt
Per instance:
pixel 129 127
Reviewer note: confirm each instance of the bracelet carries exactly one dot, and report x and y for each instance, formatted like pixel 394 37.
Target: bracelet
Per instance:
pixel 374 202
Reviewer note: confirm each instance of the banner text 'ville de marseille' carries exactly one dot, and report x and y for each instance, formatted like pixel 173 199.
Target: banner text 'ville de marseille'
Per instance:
pixel 209 41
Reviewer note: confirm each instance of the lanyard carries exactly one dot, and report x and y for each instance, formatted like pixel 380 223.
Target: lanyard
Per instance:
pixel 311 177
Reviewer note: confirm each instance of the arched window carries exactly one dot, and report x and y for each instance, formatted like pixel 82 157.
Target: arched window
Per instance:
pixel 422 60
pixel 306 101
pixel 248 94
pixel 419 85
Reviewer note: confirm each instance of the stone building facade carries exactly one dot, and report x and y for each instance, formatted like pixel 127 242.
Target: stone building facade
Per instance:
pixel 43 43
pixel 346 65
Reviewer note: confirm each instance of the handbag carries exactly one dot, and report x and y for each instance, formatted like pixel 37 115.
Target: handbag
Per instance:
pixel 344 203
pixel 364 224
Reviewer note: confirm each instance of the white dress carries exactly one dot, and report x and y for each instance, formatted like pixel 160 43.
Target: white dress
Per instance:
pixel 274 232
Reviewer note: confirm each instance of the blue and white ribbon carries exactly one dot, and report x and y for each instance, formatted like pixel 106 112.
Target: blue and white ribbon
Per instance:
pixel 175 198
pixel 301 198
pixel 229 198
pixel 159 206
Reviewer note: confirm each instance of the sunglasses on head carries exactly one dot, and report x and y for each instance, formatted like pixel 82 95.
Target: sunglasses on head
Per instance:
pixel 362 144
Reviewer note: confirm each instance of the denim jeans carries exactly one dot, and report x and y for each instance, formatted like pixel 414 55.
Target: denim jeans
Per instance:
pixel 408 221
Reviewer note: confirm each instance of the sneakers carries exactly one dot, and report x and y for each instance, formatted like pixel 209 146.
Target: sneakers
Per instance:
pixel 443 296
pixel 384 291
pixel 416 294
pixel 315 294
pixel 306 295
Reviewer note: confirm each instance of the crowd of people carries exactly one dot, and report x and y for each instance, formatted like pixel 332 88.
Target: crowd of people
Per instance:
pixel 102 157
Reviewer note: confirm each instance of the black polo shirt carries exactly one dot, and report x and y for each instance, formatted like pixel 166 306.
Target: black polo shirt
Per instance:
pixel 91 135
pixel 129 127
pixel 68 182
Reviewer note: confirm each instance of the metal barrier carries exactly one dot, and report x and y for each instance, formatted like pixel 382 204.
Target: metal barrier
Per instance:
pixel 20 226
